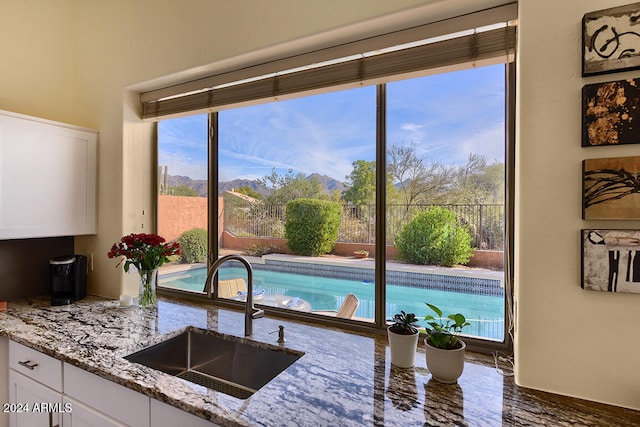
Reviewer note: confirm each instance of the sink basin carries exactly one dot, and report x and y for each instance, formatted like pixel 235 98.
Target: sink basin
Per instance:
pixel 228 364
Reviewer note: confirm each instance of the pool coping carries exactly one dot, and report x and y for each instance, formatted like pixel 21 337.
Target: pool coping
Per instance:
pixel 367 263
pixel 461 280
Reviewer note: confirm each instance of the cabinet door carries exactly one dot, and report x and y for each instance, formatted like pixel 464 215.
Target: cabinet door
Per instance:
pixel 4 378
pixel 124 405
pixel 47 178
pixel 31 403
pixel 80 415
pixel 163 415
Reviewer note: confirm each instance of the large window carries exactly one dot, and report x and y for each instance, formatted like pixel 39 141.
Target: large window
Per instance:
pixel 350 203
pixel 445 157
pixel 446 160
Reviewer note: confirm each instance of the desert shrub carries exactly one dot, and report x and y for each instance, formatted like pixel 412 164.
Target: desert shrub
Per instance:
pixel 434 237
pixel 312 226
pixel 259 250
pixel 193 245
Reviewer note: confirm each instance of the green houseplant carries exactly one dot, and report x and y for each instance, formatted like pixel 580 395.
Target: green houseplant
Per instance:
pixel 403 339
pixel 443 347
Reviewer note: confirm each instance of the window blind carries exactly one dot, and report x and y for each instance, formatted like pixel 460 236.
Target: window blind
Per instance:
pixel 372 62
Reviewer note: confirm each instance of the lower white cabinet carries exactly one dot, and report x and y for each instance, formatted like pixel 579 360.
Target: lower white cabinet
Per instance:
pixel 83 416
pixel 163 415
pixel 4 379
pixel 115 401
pixel 35 388
pixel 30 403
pixel 45 392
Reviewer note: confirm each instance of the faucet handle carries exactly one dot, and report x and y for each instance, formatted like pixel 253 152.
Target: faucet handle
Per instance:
pixel 257 313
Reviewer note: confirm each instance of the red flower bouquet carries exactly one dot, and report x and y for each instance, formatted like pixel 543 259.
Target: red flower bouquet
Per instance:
pixel 146 252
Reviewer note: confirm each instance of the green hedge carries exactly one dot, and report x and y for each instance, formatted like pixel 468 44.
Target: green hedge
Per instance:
pixel 193 245
pixel 434 237
pixel 312 226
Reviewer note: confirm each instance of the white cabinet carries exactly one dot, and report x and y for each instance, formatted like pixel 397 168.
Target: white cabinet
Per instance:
pixel 84 416
pixel 163 415
pixel 4 378
pixel 44 391
pixel 47 178
pixel 35 388
pixel 106 397
pixel 31 403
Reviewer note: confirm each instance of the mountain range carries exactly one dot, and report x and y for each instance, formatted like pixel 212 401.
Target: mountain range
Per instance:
pixel 329 185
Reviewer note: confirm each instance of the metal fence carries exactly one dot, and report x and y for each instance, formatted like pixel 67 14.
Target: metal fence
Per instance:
pixel 485 222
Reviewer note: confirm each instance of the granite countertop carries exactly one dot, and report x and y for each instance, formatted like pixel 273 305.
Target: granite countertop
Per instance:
pixel 344 379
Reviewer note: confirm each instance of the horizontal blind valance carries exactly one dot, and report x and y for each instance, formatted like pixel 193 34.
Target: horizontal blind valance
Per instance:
pixel 479 46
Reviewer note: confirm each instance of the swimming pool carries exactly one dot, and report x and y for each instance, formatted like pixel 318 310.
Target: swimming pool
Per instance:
pixel 485 312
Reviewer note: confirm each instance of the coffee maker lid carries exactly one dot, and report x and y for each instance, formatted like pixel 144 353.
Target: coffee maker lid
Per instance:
pixel 61 260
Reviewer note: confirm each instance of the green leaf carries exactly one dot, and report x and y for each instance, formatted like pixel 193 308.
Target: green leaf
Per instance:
pixel 435 309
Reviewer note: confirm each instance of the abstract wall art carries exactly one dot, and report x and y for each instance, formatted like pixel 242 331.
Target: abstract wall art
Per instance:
pixel 611 260
pixel 611 188
pixel 610 40
pixel 611 113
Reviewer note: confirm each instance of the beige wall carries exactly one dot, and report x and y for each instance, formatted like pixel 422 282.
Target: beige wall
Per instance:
pixel 78 61
pixel 569 341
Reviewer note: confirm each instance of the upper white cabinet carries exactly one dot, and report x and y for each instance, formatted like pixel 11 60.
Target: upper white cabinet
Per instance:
pixel 47 178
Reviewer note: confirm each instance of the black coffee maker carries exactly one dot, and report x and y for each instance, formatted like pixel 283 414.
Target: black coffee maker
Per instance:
pixel 68 277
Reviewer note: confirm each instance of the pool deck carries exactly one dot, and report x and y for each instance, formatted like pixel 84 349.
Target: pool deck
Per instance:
pixel 367 263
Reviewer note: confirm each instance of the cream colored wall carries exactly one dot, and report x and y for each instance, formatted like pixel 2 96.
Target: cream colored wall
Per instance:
pixel 37 58
pixel 569 341
pixel 124 45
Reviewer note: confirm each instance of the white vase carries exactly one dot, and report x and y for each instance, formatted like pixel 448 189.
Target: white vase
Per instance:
pixel 445 366
pixel 403 349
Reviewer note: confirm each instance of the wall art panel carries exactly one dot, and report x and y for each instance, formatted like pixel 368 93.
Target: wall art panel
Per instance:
pixel 610 40
pixel 611 260
pixel 611 188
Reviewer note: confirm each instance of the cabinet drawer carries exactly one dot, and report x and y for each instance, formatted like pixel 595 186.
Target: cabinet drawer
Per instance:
pixel 118 402
pixel 35 365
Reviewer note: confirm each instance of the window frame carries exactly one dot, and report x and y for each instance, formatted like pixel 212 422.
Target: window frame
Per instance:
pixel 380 323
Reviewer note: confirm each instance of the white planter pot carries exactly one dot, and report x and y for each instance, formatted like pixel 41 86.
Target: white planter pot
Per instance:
pixel 445 366
pixel 403 349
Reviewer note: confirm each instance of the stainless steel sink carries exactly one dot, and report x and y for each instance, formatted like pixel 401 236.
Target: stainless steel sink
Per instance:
pixel 228 364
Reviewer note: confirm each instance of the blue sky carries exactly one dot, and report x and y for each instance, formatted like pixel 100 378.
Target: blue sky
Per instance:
pixel 445 117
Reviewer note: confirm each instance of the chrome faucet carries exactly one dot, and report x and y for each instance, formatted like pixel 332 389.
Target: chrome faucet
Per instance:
pixel 250 312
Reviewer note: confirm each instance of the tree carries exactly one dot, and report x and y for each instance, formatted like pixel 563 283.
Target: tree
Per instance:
pixel 362 181
pixel 182 190
pixel 418 182
pixel 284 188
pixel 478 182
pixel 248 191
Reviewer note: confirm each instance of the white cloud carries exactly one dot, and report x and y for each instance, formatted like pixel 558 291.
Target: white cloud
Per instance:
pixel 411 127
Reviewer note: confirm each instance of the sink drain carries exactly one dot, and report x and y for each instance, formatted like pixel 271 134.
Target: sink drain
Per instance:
pixel 217 384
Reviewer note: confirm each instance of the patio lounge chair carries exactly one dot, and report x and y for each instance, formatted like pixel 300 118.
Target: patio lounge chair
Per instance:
pixel 230 287
pixel 346 310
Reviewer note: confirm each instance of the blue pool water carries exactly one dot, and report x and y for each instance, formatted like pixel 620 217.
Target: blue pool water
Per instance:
pixel 485 312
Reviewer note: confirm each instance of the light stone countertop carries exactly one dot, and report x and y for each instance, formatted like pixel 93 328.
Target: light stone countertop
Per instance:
pixel 344 379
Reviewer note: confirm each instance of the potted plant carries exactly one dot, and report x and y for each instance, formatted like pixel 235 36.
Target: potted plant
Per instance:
pixel 443 346
pixel 403 339
pixel 361 253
